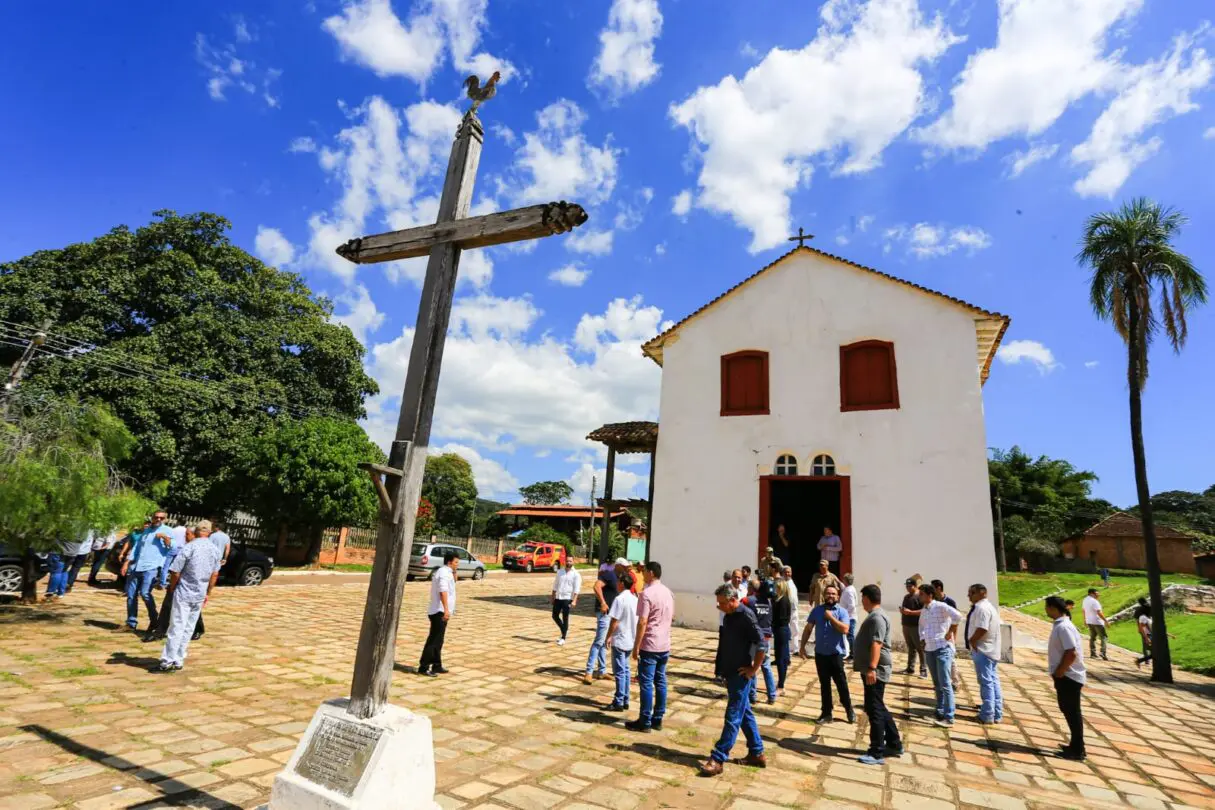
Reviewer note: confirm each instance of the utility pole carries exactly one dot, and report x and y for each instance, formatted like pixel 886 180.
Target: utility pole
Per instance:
pixel 590 534
pixel 1001 563
pixel 18 369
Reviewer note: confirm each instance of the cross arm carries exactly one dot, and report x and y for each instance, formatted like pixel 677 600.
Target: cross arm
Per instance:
pixel 499 228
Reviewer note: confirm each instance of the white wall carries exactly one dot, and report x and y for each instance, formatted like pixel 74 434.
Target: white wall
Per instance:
pixel 919 473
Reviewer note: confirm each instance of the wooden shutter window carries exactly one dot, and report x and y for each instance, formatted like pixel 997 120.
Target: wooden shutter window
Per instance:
pixel 868 377
pixel 744 383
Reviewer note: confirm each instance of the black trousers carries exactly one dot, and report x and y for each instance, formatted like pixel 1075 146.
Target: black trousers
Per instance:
pixel 166 613
pixel 432 651
pixel 98 561
pixel 1068 693
pixel 561 615
pixel 831 668
pixel 883 733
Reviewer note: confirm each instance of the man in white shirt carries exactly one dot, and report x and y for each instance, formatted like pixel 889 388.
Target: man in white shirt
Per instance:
pixel 566 587
pixel 1094 617
pixel 75 554
pixel 1065 663
pixel 848 600
pixel 983 641
pixel 442 606
pixel 621 635
pixel 938 627
pixel 829 548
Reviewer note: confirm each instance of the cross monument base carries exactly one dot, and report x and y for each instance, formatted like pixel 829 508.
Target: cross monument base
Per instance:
pixel 344 763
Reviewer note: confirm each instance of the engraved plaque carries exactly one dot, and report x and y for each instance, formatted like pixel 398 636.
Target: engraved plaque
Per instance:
pixel 338 753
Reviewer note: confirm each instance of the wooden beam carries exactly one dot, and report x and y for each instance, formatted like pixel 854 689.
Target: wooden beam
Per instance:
pixel 471 232
pixel 607 505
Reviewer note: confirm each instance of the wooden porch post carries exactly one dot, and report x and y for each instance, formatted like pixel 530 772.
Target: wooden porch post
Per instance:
pixel 649 527
pixel 607 504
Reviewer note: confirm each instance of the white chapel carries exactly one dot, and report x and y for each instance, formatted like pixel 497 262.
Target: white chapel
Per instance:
pixel 818 392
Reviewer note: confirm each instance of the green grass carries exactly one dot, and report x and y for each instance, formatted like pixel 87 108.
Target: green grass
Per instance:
pixel 8 677
pixel 350 568
pixel 1194 647
pixel 77 672
pixel 1125 588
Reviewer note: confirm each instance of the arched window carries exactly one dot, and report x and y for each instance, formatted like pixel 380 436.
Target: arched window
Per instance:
pixel 823 465
pixel 744 383
pixel 868 380
pixel 786 465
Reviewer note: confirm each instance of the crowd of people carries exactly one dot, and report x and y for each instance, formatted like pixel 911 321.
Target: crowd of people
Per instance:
pixel 157 555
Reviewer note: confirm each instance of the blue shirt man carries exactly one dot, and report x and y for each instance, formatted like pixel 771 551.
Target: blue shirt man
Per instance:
pixel 150 548
pixel 148 551
pixel 830 646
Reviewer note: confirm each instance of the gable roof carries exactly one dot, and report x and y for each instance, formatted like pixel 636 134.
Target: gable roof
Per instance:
pixel 1122 524
pixel 989 326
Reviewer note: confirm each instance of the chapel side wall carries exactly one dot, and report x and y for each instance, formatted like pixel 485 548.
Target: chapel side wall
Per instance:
pixel 920 500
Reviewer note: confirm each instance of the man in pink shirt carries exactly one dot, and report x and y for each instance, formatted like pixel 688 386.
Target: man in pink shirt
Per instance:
pixel 652 648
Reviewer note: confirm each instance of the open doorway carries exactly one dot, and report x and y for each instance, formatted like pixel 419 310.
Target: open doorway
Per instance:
pixel 805 505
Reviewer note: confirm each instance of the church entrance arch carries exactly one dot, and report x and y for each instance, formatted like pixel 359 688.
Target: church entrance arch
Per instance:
pixel 804 505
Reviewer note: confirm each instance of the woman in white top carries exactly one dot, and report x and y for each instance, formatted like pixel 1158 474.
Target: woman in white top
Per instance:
pixel 566 587
pixel 1065 662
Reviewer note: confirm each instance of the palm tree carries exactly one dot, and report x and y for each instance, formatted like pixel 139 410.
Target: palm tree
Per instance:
pixel 1132 258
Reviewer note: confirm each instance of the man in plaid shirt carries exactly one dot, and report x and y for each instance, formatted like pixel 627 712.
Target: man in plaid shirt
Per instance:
pixel 938 627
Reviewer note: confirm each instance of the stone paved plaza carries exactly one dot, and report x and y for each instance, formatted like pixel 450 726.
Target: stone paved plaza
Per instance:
pixel 84 725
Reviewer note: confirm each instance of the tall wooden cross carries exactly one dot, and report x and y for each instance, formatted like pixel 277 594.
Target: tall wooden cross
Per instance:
pixel 399 483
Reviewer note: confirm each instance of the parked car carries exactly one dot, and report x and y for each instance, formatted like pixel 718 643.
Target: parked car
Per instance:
pixel 425 559
pixel 245 566
pixel 531 556
pixel 12 571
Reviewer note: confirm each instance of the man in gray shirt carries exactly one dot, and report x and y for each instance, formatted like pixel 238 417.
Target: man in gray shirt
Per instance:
pixel 871 658
pixel 191 578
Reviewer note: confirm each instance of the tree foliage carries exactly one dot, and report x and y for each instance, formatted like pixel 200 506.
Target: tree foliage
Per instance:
pixel 546 492
pixel 617 544
pixel 1190 512
pixel 450 488
pixel 176 298
pixel 1046 491
pixel 59 481
pixel 544 533
pixel 424 524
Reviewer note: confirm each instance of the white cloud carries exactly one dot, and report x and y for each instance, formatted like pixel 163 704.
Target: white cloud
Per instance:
pixel 631 213
pixel 1021 160
pixel 361 316
pixel 1150 94
pixel 388 181
pixel 491 477
pixel 483 316
pixel 569 276
pixel 1029 351
pixel 272 247
pixel 370 33
pixel 557 162
pixel 924 240
pixel 857 225
pixel 842 99
pixel 660 249
pixel 595 243
pixel 1092 363
pixel 1209 134
pixel 625 62
pixel 625 483
pixel 681 203
pixel 224 69
pixel 506 386
pixel 1048 55
pixel 302 145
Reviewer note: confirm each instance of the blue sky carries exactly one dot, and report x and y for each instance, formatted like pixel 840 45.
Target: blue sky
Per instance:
pixel 956 144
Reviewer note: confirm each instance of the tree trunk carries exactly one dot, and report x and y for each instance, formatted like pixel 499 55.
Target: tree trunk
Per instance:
pixel 1162 663
pixel 29 580
pixel 315 535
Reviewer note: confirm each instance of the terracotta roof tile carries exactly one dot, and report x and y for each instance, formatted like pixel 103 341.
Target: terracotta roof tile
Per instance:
pixel 627 437
pixel 1121 524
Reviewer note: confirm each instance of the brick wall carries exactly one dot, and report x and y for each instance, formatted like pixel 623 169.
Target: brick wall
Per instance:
pixel 1127 552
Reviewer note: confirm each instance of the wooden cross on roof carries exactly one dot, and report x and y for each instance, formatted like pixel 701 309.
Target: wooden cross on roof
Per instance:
pixel 801 237
pixel 399 482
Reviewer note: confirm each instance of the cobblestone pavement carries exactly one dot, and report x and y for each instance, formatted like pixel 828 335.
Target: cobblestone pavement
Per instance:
pixel 84 725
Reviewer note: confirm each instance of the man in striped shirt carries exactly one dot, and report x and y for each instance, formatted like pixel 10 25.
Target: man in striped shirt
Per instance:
pixel 938 628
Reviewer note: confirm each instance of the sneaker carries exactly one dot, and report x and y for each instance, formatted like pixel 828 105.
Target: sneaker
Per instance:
pixel 178 667
pixel 869 759
pixel 586 679
pixel 943 723
pixel 754 761
pixel 426 672
pixel 560 642
pixel 164 667
pixel 637 725
pixel 711 768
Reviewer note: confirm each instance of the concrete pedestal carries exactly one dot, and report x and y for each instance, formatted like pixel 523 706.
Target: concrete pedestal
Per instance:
pixel 343 763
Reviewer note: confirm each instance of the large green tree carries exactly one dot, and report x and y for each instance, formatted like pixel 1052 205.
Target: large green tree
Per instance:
pixel 1143 286
pixel 304 474
pixel 57 459
pixel 449 486
pixel 546 492
pixel 197 345
pixel 1190 512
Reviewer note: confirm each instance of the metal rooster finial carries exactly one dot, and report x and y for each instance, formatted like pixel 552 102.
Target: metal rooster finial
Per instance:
pixel 479 94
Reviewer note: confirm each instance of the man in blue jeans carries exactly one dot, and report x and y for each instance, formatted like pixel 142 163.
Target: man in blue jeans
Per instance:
pixel 759 599
pixel 606 587
pixel 983 640
pixel 742 655
pixel 938 627
pixel 142 567
pixel 652 648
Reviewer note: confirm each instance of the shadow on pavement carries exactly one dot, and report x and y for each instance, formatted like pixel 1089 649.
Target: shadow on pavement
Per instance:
pixel 138 662
pixel 98 623
pixel 153 778
pixel 661 753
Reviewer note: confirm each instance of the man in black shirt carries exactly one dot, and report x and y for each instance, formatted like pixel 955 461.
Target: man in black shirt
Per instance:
pixel 911 628
pixel 606 587
pixel 742 653
pixel 759 599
